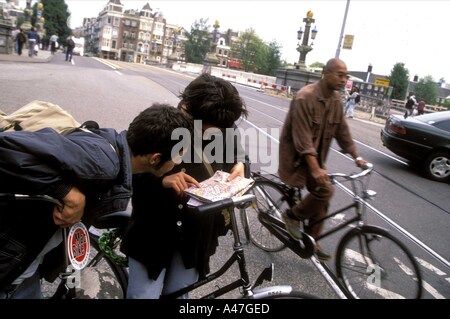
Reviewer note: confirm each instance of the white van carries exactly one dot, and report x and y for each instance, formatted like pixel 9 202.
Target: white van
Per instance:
pixel 79 46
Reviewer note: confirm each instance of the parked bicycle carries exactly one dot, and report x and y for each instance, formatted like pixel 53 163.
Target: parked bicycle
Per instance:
pixel 106 274
pixel 369 261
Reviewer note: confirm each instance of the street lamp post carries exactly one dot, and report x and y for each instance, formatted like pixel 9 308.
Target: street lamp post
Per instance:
pixel 211 58
pixel 26 25
pixel 175 55
pixel 304 48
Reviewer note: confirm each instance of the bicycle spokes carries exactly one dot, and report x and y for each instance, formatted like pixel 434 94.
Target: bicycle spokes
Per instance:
pixel 375 265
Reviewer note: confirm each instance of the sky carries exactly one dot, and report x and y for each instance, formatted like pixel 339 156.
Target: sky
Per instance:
pixel 385 32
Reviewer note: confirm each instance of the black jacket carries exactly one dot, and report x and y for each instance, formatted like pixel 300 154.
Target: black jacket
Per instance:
pixel 46 162
pixel 162 223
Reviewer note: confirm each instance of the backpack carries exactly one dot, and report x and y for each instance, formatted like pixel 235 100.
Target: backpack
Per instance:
pixel 37 115
pixel 357 98
pixel 70 43
pixel 409 104
pixel 21 37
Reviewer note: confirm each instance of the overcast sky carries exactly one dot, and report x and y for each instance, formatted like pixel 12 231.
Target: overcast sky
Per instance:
pixel 385 32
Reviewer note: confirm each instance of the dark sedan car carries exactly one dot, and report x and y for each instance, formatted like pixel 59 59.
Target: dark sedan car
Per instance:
pixel 423 139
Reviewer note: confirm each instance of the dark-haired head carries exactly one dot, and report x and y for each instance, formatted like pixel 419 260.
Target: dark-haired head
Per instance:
pixel 151 131
pixel 213 100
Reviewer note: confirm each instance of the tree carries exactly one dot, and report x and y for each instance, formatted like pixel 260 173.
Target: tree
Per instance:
pixel 198 42
pixel 56 15
pixel 426 89
pixel 273 58
pixel 399 80
pixel 248 50
pixel 255 55
pixel 317 65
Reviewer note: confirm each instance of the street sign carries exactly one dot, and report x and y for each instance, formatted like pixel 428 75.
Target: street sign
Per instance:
pixel 382 82
pixel 349 85
pixel 78 246
pixel 348 41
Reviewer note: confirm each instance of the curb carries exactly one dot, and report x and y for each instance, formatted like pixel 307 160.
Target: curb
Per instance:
pixel 24 58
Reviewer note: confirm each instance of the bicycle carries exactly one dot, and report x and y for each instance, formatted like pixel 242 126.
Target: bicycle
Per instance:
pixel 247 290
pixel 105 245
pixel 105 272
pixel 363 269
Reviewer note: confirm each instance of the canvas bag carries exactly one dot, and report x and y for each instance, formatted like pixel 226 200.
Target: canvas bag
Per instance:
pixel 38 115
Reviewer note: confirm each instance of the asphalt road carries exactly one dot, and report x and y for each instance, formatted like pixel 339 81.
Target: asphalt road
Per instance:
pixel 413 208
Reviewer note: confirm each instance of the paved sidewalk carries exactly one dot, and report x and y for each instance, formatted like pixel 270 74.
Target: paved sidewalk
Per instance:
pixel 43 56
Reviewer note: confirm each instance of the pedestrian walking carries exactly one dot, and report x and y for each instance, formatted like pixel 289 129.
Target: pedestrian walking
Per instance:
pixel 33 40
pixel 53 42
pixel 421 107
pixel 352 100
pixel 70 45
pixel 409 105
pixel 21 39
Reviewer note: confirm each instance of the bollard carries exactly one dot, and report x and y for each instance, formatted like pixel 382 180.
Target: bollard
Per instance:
pixel 372 114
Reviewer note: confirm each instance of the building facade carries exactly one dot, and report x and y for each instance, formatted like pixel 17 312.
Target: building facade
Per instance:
pixel 144 36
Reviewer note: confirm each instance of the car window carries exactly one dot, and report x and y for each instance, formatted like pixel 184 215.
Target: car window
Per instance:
pixel 444 125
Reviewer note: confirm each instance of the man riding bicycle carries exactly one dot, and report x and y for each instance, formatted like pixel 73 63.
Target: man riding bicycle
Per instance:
pixel 315 117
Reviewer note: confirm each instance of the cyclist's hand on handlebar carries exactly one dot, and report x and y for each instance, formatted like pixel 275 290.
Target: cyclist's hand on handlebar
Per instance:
pixel 179 182
pixel 362 163
pixel 72 210
pixel 237 170
pixel 320 175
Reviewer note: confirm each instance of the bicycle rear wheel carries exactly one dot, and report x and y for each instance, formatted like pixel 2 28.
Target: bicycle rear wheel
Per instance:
pixel 270 199
pixel 372 264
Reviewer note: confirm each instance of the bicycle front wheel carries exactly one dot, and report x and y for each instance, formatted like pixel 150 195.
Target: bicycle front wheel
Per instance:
pixel 269 200
pixel 373 264
pixel 280 292
pixel 109 276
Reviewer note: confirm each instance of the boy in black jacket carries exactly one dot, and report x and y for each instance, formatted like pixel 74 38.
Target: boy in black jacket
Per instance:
pixel 90 172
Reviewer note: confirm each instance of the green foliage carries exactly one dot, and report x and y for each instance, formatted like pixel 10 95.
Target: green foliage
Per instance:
pixel 56 15
pixel 318 65
pixel 198 42
pixel 399 80
pixel 247 49
pixel 255 55
pixel 426 89
pixel 273 58
pixel 20 21
pixel 446 104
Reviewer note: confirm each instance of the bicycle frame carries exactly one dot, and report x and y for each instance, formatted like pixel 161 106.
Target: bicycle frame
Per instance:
pixel 237 256
pixel 358 205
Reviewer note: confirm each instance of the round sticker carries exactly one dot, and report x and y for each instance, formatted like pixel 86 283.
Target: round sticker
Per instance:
pixel 78 246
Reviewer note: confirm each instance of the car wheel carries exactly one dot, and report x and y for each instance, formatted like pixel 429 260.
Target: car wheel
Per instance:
pixel 437 166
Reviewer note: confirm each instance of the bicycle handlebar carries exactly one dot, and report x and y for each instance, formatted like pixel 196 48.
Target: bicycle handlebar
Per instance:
pixel 368 168
pixel 22 197
pixel 223 204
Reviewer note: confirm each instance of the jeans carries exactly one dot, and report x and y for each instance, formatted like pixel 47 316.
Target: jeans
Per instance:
pixel 140 286
pixel 69 53
pixel 408 112
pixel 31 44
pixel 30 288
pixel 349 107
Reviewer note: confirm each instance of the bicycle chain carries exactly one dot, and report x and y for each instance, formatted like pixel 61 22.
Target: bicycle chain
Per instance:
pixel 107 242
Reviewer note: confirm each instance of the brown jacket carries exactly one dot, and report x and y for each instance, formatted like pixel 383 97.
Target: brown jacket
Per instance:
pixel 310 125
